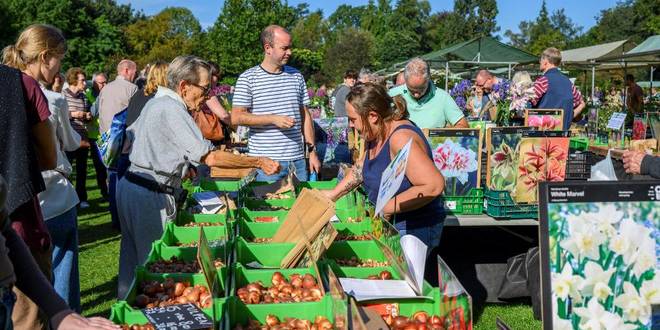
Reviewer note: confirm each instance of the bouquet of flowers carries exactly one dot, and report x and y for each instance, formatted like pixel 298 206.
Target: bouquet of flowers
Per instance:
pixel 461 93
pixel 501 96
pixel 521 94
pixel 223 92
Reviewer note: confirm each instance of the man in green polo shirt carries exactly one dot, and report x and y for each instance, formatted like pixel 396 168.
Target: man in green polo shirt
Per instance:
pixel 428 105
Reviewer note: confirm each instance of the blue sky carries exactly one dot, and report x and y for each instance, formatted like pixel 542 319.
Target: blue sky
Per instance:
pixel 511 12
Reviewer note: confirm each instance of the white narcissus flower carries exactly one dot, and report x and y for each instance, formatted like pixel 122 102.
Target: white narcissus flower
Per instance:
pixel 644 258
pixel 626 241
pixel 650 290
pixel 635 307
pixel 583 238
pixel 595 317
pixel 566 284
pixel 605 219
pixel 561 324
pixel 596 281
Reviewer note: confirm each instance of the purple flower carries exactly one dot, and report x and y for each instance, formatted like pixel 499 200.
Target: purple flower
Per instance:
pixel 460 92
pixel 310 92
pixel 320 92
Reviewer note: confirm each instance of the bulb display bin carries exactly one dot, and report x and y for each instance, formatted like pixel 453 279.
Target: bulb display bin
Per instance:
pixel 357 231
pixel 255 204
pixel 160 252
pixel 261 216
pixel 244 276
pixel 353 215
pixel 219 185
pixel 252 232
pixel 267 255
pixel 187 219
pixel 366 254
pixel 187 237
pixel 127 312
pixel 121 313
pixel 238 313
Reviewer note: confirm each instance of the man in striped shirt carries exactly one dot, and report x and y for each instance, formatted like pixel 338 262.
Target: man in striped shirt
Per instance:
pixel 271 99
pixel 553 90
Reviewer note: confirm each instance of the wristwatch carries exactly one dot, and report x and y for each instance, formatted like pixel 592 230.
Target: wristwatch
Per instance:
pixel 311 148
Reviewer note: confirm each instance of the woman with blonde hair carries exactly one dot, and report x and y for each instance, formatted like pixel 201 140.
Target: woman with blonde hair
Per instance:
pixel 37 55
pixel 156 76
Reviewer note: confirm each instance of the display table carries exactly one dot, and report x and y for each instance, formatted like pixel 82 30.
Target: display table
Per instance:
pixel 477 247
pixel 485 220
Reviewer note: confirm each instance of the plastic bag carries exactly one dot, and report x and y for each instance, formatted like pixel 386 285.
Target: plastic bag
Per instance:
pixel 603 170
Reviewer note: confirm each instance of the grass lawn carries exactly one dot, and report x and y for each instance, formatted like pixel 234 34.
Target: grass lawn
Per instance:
pixel 99 264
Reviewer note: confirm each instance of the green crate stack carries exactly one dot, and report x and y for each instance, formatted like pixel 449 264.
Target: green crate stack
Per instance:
pixel 251 215
pixel 268 255
pixel 471 203
pixel 500 205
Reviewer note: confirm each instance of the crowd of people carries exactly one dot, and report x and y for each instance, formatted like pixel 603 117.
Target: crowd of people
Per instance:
pixel 175 126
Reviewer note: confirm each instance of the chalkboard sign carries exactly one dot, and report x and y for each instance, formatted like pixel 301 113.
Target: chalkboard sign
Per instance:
pixel 177 317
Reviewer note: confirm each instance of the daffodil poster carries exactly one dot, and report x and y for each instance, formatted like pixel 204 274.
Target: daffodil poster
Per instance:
pixel 456 153
pixel 503 149
pixel 599 254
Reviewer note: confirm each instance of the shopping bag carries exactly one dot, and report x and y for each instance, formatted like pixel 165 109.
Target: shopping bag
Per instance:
pixel 603 170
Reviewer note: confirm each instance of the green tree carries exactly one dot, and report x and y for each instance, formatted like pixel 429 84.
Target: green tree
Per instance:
pixel 556 30
pixel 233 41
pixel 309 63
pixel 346 16
pixel 353 49
pixel 470 19
pixel 310 32
pixel 164 36
pixel 92 27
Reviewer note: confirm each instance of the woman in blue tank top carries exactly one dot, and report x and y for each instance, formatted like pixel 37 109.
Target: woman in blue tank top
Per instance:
pixel 382 121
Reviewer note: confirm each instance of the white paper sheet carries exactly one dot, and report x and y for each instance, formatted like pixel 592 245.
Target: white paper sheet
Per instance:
pixel 209 201
pixel 392 177
pixel 364 290
pixel 414 251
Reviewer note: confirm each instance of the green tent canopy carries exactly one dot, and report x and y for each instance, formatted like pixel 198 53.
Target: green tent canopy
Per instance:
pixel 481 51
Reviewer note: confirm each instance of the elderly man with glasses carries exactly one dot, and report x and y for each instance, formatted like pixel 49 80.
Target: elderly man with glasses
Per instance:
pixel 428 105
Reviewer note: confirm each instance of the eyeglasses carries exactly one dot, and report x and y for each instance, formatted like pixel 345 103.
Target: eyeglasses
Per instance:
pixel 205 89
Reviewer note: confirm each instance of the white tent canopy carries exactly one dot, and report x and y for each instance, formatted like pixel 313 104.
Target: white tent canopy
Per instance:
pixel 587 55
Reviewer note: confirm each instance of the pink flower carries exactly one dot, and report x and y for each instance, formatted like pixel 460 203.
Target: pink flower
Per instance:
pixel 544 122
pixel 454 161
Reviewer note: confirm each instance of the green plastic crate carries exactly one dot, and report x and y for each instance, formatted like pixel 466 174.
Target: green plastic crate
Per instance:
pixel 124 312
pixel 173 236
pixel 159 251
pixel 472 203
pixel 253 203
pixel 121 313
pixel 251 230
pixel 579 143
pixel 357 228
pixel 500 205
pixel 185 217
pixel 219 185
pixel 239 313
pixel 353 213
pixel 362 250
pixel 361 273
pixel 250 215
pixel 268 255
pixel 320 185
pixel 248 191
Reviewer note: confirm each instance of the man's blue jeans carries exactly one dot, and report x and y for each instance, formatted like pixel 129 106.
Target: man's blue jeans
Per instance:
pixel 300 166
pixel 63 231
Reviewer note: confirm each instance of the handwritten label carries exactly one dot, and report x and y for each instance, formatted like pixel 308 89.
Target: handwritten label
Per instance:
pixel 176 317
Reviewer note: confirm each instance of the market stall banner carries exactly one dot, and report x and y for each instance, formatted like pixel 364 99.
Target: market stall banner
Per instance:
pixel 545 119
pixel 599 254
pixel 333 133
pixel 541 159
pixel 457 154
pixel 503 150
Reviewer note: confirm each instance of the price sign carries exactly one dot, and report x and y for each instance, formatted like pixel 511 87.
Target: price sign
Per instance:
pixel 617 120
pixel 205 260
pixel 177 317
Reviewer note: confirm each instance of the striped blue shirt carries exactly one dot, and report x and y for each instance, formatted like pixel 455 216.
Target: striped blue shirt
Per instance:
pixel 265 93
